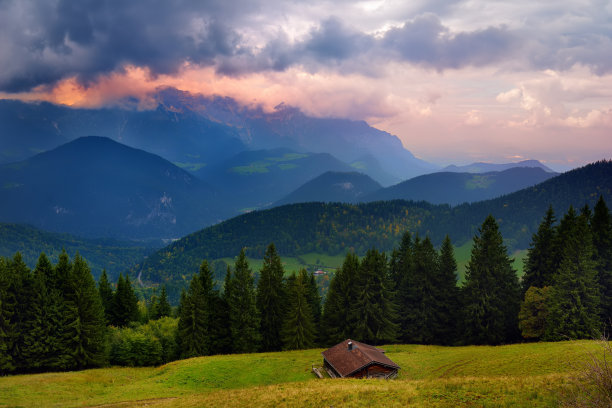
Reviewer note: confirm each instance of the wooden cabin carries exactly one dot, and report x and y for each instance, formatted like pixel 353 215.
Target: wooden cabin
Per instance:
pixel 353 359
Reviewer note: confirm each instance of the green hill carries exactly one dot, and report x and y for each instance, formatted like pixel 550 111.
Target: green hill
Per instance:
pixel 456 188
pixel 334 228
pixel 521 375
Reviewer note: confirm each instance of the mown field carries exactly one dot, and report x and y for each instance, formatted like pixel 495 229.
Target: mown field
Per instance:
pixel 523 375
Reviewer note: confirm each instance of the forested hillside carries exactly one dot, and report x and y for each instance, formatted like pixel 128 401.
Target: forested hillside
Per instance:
pixel 112 255
pixel 337 228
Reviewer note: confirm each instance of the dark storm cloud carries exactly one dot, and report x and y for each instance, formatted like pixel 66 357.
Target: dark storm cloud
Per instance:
pixel 427 42
pixel 42 42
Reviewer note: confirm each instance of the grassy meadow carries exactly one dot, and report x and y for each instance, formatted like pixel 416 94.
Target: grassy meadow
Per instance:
pixel 525 375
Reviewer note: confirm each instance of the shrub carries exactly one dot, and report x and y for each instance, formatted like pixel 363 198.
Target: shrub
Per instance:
pixel 143 345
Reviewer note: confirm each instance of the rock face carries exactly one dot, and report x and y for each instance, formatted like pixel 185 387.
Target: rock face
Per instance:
pixel 201 131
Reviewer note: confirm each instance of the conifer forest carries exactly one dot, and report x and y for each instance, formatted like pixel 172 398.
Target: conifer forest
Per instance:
pixel 56 317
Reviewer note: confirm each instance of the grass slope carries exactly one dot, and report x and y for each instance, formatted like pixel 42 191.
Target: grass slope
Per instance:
pixel 515 375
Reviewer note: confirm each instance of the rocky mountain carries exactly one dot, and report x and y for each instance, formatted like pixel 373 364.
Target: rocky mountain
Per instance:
pixel 96 187
pixel 194 131
pixel 333 187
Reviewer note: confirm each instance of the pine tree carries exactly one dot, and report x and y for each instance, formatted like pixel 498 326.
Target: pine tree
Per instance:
pixel 63 315
pixel 448 302
pixel 412 288
pixel 575 296
pixel 106 294
pixel 193 331
pixel 270 300
pixel 36 323
pixel 89 329
pixel 406 288
pixel 375 311
pixel 7 309
pixel 491 290
pixel 601 225
pixel 22 288
pixel 314 300
pixel 163 306
pixel 221 336
pixel 244 319
pixel 339 309
pixel 540 264
pixel 125 303
pixel 299 330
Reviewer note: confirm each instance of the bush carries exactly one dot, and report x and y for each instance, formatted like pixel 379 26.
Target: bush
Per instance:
pixel 144 345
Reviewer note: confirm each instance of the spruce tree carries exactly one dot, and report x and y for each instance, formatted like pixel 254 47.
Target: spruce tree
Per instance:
pixel 221 336
pixel 298 331
pixel 244 318
pixel 22 288
pixel 7 309
pixel 412 287
pixel 36 328
pixel 270 300
pixel 375 311
pixel 575 296
pixel 447 306
pixel 540 264
pixel 89 330
pixel 491 290
pixel 193 332
pixel 601 226
pixel 125 303
pixel 314 300
pixel 339 309
pixel 60 284
pixel 106 295
pixel 163 306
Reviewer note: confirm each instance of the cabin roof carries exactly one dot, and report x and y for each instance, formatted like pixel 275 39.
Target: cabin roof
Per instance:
pixel 346 361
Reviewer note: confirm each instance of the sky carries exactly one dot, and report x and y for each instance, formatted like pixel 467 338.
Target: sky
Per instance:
pixel 456 81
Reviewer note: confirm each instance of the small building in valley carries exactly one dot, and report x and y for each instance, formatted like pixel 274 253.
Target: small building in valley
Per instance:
pixel 353 359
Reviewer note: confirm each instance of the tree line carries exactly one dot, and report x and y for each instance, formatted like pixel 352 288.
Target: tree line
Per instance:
pixel 55 318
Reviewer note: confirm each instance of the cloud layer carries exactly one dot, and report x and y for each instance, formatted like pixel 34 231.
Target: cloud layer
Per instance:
pixel 44 42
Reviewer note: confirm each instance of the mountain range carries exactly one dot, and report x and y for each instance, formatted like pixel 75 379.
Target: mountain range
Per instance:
pixel 197 131
pixel 481 167
pixel 456 188
pixel 96 187
pixel 335 228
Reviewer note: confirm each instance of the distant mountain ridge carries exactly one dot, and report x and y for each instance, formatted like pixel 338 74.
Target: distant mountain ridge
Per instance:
pixel 197 131
pixel 481 167
pixel 336 228
pixel 96 187
pixel 331 186
pixel 256 179
pixel 456 188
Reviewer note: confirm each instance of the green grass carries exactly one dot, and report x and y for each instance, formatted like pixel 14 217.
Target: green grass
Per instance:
pixel 503 376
